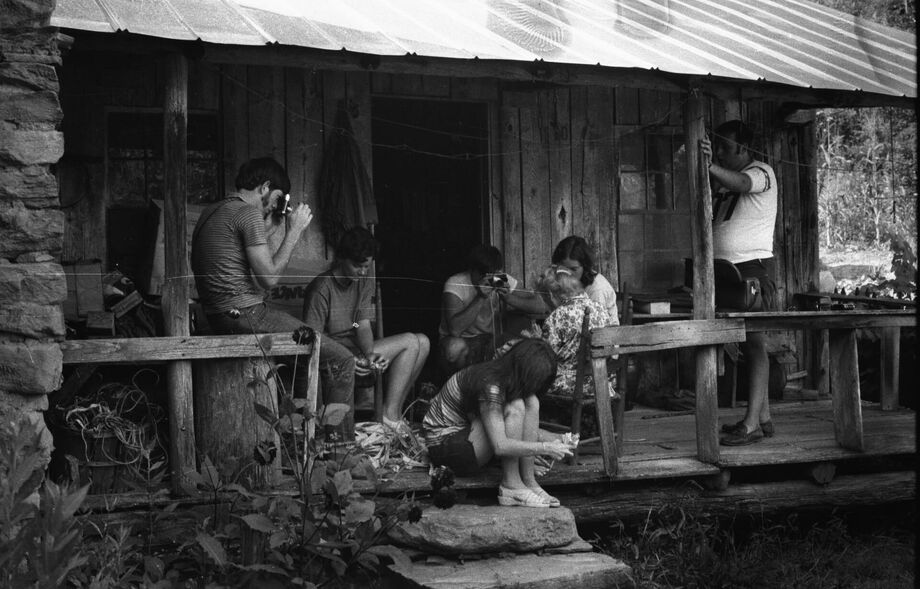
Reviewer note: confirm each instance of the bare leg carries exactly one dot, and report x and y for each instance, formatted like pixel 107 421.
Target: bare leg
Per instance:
pixel 514 428
pixel 407 353
pixel 755 353
pixel 531 434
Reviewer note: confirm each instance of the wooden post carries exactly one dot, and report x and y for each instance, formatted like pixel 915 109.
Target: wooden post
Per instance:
pixel 844 377
pixel 227 425
pixel 707 402
pixel 891 361
pixel 174 301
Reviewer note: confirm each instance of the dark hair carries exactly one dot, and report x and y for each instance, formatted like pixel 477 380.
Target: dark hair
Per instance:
pixel 357 244
pixel 576 248
pixel 741 133
pixel 528 368
pixel 485 259
pixel 258 170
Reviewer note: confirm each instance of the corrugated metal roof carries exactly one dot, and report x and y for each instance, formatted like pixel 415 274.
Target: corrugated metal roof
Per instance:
pixel 786 41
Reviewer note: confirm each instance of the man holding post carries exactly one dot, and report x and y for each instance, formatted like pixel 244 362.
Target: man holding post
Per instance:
pixel 744 216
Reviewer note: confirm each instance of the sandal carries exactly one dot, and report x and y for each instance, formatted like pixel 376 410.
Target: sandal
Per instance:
pixel 552 501
pixel 520 498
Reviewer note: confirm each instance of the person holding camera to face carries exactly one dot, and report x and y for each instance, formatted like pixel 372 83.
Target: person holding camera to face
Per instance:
pixel 233 263
pixel 471 306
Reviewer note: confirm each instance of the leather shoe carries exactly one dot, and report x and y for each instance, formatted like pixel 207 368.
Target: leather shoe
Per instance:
pixel 742 437
pixel 766 426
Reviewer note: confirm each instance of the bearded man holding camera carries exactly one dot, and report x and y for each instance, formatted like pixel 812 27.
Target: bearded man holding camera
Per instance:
pixel 471 308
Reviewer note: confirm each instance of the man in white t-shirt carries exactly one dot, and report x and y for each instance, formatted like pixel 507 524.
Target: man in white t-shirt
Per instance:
pixel 743 219
pixel 471 309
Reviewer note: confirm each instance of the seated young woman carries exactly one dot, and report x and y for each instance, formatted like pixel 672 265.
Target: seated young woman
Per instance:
pixel 493 409
pixel 562 328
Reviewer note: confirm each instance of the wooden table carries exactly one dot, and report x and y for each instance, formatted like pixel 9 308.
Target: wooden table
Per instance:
pixel 843 360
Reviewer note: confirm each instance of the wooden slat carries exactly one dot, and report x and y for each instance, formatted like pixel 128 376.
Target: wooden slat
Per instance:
pixel 174 301
pixel 665 335
pixel 891 362
pixel 234 99
pixel 511 196
pixel 199 347
pixel 558 130
pixel 535 187
pixel 605 424
pixel 844 363
pixel 825 319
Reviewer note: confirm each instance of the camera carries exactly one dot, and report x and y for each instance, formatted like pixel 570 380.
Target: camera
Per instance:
pixel 497 280
pixel 282 206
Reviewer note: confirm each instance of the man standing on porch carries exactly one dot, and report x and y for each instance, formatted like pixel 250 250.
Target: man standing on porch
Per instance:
pixel 744 216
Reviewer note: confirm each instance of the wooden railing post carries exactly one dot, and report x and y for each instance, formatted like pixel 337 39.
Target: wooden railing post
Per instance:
pixel 174 302
pixel 707 405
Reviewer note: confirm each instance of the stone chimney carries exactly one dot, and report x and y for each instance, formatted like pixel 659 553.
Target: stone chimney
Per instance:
pixel 32 284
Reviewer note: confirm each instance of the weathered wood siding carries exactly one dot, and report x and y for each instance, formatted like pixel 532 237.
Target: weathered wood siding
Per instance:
pixel 607 163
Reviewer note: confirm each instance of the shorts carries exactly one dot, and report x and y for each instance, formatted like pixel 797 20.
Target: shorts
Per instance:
pixel 455 452
pixel 762 269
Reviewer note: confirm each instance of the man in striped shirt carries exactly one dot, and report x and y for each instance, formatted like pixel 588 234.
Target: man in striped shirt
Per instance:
pixel 233 264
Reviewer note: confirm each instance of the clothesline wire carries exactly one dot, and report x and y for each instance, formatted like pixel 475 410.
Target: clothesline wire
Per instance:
pixel 611 139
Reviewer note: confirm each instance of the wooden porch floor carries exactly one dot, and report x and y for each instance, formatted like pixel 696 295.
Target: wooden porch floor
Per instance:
pixel 662 445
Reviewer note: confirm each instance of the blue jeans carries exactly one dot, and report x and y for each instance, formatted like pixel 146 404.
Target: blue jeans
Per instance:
pixel 337 364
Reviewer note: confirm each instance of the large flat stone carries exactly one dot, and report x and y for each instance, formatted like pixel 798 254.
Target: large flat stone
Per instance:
pixel 30 367
pixel 40 283
pixel 586 570
pixel 474 529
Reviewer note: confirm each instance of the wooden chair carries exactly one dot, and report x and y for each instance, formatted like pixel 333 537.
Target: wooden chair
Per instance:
pixel 579 400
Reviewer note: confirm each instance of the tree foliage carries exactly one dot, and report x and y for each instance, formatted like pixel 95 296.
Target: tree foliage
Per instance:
pixel 867 175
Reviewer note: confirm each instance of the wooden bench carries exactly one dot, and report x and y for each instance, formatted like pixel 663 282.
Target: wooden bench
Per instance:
pixel 623 340
pixel 841 360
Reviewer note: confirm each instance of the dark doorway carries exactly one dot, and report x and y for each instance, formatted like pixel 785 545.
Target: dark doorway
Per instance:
pixel 430 182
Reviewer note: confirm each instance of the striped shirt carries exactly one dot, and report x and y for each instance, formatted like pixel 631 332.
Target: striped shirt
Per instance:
pixel 459 398
pixel 222 272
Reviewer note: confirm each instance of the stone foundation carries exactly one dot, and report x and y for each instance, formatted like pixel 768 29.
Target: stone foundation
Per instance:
pixel 32 285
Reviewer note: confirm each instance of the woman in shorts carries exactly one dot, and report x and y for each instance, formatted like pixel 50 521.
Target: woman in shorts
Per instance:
pixel 493 409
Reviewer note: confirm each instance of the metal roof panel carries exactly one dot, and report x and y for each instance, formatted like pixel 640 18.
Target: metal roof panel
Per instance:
pixel 787 41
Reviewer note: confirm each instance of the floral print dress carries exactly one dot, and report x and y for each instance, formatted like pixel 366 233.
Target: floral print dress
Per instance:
pixel 562 331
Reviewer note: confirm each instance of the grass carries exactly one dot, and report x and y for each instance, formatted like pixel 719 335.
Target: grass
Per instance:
pixel 675 547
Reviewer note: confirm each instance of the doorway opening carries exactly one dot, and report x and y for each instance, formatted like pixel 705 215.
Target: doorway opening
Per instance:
pixel 431 186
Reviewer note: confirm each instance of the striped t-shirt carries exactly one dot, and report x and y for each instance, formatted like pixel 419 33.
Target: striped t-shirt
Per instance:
pixel 458 399
pixel 222 272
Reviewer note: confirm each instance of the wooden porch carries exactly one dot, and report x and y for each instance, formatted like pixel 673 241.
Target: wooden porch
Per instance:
pixel 662 445
pixel 802 467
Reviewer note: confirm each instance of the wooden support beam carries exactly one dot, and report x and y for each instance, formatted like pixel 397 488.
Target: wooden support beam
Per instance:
pixel 664 335
pixel 890 370
pixel 196 347
pixel 707 403
pixel 174 301
pixel 844 377
pixel 605 425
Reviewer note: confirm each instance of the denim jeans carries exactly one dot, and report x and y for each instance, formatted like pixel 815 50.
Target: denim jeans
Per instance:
pixel 337 363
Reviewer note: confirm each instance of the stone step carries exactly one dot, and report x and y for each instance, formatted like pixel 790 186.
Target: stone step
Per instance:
pixel 475 529
pixel 583 570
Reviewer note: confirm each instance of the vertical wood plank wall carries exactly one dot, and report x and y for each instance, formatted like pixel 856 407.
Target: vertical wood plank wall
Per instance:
pixel 554 169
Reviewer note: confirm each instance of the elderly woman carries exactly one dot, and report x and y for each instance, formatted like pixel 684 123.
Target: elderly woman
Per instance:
pixel 493 409
pixel 562 329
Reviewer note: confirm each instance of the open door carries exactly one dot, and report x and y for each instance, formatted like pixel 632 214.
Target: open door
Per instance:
pixel 430 182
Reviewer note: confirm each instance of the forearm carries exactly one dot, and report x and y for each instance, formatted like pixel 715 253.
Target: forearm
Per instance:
pixel 730 179
pixel 526 301
pixel 510 448
pixel 282 257
pixel 364 339
pixel 461 320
